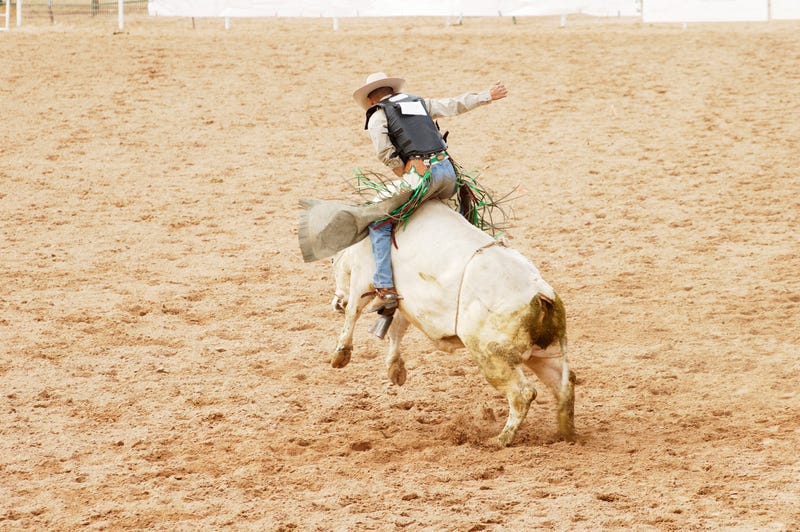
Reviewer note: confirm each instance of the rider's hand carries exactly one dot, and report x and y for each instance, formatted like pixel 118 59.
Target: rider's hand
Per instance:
pixel 498 91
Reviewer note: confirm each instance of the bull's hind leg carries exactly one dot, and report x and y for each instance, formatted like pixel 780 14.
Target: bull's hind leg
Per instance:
pixel 507 378
pixel 554 372
pixel 394 361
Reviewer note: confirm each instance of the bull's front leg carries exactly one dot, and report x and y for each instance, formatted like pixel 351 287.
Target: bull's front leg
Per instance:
pixel 394 362
pixel 352 310
pixel 344 347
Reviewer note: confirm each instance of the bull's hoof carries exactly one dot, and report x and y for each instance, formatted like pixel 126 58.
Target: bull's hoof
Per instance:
pixel 568 436
pixel 505 438
pixel 397 373
pixel 566 422
pixel 341 357
pixel 566 430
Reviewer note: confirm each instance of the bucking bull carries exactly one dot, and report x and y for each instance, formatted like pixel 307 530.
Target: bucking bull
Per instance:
pixel 461 288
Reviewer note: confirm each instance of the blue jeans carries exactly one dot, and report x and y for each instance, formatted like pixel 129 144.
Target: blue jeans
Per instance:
pixel 442 186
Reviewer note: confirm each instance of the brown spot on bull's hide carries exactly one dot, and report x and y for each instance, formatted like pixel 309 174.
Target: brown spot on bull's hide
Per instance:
pixel 547 320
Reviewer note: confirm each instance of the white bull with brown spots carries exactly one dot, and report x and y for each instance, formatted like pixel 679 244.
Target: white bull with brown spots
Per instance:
pixel 461 288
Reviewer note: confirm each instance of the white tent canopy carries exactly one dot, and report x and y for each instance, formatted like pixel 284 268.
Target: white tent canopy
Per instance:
pixel 651 11
pixel 785 9
pixel 705 10
pixel 377 8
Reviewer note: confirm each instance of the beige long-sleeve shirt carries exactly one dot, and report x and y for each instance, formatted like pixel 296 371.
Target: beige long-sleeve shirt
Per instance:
pixel 378 129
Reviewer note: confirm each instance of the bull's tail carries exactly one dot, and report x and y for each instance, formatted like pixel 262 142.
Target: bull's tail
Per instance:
pixel 566 396
pixel 550 319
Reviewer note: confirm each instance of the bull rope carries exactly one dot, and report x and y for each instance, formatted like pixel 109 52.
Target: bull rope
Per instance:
pixel 471 199
pixel 461 281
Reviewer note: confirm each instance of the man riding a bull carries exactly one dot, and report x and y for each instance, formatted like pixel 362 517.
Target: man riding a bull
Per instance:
pixel 408 141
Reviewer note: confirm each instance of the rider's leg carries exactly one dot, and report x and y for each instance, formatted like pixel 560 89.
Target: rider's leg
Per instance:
pixel 443 179
pixel 381 237
pixel 380 234
pixel 442 185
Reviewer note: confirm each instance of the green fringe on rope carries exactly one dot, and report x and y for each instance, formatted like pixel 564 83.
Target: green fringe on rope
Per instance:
pixel 471 199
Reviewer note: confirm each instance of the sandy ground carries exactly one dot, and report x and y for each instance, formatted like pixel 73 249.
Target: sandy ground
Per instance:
pixel 164 351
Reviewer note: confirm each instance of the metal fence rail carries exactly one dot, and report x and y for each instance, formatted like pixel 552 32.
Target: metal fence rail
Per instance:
pixel 54 9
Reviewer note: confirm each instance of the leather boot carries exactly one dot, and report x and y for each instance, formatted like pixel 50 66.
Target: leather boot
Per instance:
pixel 385 301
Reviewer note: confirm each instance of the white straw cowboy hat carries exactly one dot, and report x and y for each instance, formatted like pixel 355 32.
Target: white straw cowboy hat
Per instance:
pixel 376 81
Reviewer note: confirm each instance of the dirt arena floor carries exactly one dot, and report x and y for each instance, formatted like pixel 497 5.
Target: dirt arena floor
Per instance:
pixel 164 350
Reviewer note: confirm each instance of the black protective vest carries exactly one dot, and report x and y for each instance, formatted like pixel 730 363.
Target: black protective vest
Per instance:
pixel 411 134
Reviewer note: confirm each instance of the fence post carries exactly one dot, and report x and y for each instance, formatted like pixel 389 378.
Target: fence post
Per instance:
pixel 6 15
